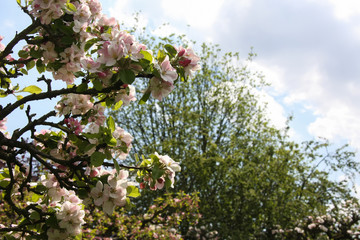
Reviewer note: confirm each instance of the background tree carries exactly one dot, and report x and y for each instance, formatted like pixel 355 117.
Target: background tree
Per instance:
pixel 250 176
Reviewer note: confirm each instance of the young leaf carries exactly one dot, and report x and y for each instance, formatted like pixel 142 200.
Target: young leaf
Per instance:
pixel 132 191
pixel 110 123
pixel 23 54
pixel 97 159
pixel 147 55
pixel 40 66
pixel 145 97
pixel 117 105
pixel 90 43
pixel 23 70
pixel 82 87
pixel 97 85
pixel 35 215
pixel 171 50
pixel 32 89
pixel 71 7
pixel 127 76
pixel 117 167
pixel 30 65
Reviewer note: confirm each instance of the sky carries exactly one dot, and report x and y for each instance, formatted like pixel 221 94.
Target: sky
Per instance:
pixel 308 50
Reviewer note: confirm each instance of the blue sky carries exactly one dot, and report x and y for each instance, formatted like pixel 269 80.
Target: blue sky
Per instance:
pixel 308 50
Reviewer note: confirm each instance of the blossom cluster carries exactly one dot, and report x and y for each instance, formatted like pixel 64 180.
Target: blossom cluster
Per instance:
pixel 98 61
pixel 68 207
pixel 112 193
pixel 339 223
pixel 166 175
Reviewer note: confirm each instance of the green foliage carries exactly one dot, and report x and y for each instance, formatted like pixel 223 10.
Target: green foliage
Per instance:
pixel 250 176
pixel 162 220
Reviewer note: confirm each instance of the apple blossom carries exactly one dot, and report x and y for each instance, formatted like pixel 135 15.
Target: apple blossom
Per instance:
pixel 159 88
pixel 75 42
pixel 167 71
pixel 3 125
pixel 126 95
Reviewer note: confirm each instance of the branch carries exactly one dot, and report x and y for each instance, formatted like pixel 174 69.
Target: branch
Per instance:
pixel 18 38
pixel 48 95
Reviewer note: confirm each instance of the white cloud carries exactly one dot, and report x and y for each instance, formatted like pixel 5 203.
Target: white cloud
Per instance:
pixel 345 9
pixel 121 10
pixel 273 74
pixel 310 87
pixel 199 13
pixel 339 122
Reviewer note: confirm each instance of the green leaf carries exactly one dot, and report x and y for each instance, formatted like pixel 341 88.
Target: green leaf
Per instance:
pixel 97 84
pixel 161 55
pixel 23 54
pixel 167 183
pixel 88 147
pixel 35 215
pixel 32 89
pixel 40 66
pixel 112 142
pixel 18 97
pixel 40 188
pixel 132 191
pixel 30 65
pixel 35 53
pixel 4 183
pixel 52 221
pixel 90 43
pixel 157 172
pixel 97 159
pixel 117 105
pixel 171 50
pixel 23 70
pixel 110 123
pixel 35 197
pixel 117 167
pixel 71 7
pixel 127 76
pixel 82 87
pixel 145 97
pixel 147 56
pixel 83 193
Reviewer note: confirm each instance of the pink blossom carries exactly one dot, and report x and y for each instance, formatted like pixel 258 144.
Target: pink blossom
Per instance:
pixel 105 21
pixel 189 60
pixel 312 225
pixel 168 72
pixel 95 7
pixel 2 46
pixel 74 125
pixel 65 75
pixel 89 64
pixel 160 183
pixel 76 104
pixel 97 193
pixel 159 88
pixel 2 125
pixel 56 234
pixel 82 13
pixel 125 97
pixel 111 52
pixel 71 217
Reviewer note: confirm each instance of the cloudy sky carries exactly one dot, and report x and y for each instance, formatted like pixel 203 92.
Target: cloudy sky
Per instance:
pixel 309 50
